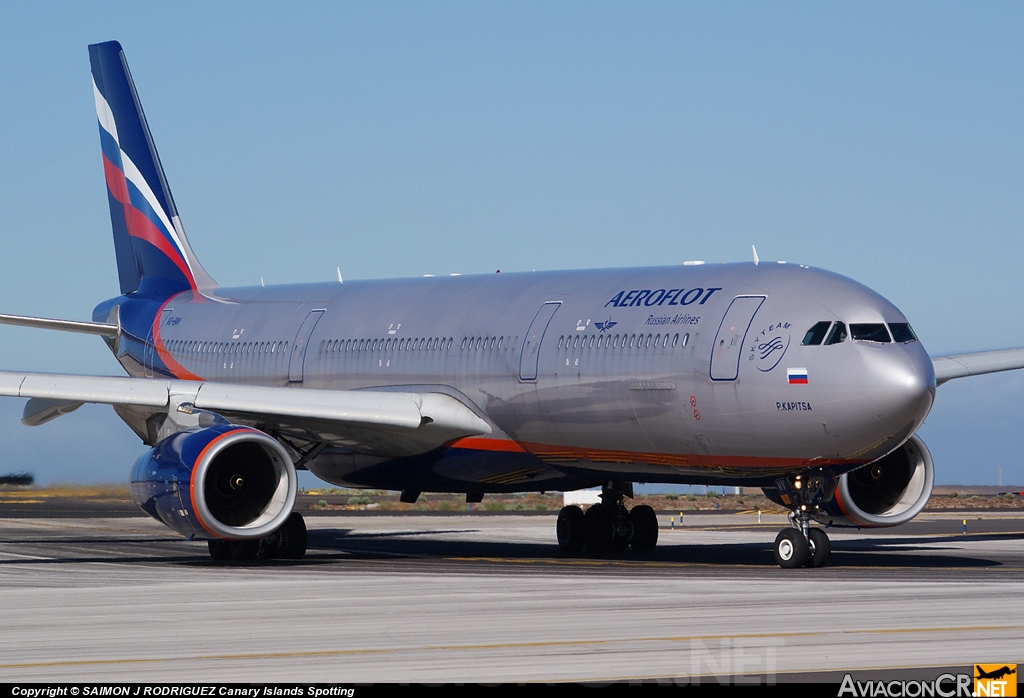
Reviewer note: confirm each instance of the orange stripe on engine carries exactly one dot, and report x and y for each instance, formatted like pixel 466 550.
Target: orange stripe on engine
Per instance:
pixel 192 480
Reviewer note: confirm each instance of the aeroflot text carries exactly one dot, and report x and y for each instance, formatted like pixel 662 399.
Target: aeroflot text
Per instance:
pixel 673 296
pixel 260 692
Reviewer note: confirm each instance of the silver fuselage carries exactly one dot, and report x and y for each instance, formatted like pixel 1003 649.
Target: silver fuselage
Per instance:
pixel 682 374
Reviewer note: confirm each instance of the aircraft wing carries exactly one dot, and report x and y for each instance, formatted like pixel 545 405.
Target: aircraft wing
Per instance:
pixel 974 364
pixel 381 423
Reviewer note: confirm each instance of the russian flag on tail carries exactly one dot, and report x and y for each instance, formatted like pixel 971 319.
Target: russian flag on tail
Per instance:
pixel 153 255
pixel 797 376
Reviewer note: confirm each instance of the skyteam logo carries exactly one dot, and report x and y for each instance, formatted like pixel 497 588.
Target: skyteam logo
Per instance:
pixel 769 346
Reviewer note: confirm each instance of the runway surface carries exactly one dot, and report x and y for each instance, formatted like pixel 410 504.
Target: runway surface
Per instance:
pixel 449 599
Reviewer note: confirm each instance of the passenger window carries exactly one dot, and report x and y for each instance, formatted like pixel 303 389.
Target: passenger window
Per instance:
pixel 837 335
pixel 870 332
pixel 816 334
pixel 902 332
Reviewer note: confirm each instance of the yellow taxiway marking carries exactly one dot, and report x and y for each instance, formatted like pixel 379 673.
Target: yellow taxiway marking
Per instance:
pixel 506 645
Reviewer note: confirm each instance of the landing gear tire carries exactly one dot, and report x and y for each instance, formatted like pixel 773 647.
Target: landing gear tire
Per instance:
pixel 293 538
pixel 244 550
pixel 571 528
pixel 645 528
pixel 287 542
pixel 791 548
pixel 600 527
pixel 820 548
pixel 220 550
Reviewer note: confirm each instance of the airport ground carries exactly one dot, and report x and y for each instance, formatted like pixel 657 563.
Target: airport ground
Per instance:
pixel 488 597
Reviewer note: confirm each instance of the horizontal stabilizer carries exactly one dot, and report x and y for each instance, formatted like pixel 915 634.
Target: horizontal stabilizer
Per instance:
pixel 977 363
pixel 101 328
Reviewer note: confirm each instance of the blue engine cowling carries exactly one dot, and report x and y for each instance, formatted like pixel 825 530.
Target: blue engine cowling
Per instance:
pixel 221 482
pixel 888 492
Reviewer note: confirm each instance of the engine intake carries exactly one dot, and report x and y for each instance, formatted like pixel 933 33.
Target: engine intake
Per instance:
pixel 221 482
pixel 888 492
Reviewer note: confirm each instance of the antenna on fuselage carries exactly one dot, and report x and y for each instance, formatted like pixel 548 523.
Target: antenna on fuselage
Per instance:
pixel 756 260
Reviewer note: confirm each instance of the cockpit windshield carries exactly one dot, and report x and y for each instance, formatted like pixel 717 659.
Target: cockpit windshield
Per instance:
pixel 816 333
pixel 837 335
pixel 902 332
pixel 870 332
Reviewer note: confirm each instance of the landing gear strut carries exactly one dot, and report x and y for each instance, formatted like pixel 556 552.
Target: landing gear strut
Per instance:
pixel 608 526
pixel 801 545
pixel 286 543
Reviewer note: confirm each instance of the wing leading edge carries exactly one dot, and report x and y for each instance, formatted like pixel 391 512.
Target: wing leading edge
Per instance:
pixel 385 422
pixel 977 363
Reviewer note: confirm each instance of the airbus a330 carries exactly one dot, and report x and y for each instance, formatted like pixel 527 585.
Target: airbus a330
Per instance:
pixel 780 376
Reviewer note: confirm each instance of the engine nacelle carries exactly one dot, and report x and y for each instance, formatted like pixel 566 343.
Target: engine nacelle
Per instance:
pixel 221 482
pixel 888 492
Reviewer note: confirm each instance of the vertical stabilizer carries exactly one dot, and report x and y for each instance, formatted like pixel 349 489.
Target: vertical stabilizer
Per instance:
pixel 153 254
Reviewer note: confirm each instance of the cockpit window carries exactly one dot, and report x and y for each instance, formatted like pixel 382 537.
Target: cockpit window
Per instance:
pixel 870 332
pixel 837 335
pixel 816 334
pixel 902 332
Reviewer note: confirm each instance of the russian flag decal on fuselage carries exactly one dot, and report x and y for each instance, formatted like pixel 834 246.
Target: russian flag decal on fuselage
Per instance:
pixel 797 375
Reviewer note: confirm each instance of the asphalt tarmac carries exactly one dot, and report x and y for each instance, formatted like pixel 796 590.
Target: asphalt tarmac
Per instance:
pixel 478 598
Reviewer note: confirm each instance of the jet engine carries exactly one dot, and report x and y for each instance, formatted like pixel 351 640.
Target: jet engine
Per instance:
pixel 220 482
pixel 887 492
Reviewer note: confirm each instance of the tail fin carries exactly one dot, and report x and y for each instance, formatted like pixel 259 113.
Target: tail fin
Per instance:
pixel 153 254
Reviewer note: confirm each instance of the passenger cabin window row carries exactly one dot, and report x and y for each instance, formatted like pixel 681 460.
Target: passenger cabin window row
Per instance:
pixel 820 333
pixel 187 346
pixel 621 341
pixel 476 343
pixel 386 344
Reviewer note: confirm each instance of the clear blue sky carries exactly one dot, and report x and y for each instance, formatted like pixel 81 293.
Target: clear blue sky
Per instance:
pixel 884 141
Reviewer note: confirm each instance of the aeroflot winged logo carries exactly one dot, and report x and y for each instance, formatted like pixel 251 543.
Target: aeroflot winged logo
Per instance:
pixel 645 297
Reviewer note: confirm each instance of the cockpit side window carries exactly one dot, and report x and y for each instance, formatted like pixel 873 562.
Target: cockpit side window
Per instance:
pixel 870 332
pixel 816 334
pixel 837 335
pixel 902 332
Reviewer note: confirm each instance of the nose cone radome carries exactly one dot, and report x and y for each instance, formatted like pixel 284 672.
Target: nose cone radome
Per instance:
pixel 899 382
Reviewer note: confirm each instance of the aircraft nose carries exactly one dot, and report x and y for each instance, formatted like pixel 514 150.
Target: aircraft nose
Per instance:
pixel 901 383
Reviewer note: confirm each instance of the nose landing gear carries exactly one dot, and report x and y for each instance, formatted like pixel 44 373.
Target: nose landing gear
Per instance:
pixel 801 545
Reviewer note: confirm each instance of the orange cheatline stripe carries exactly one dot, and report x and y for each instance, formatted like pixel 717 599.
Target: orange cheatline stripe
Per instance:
pixel 479 444
pixel 177 369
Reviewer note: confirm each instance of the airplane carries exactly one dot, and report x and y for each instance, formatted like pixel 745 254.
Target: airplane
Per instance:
pixel 781 376
pixel 995 674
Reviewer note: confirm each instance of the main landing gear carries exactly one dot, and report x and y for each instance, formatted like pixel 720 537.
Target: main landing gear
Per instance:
pixel 286 543
pixel 801 545
pixel 608 526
